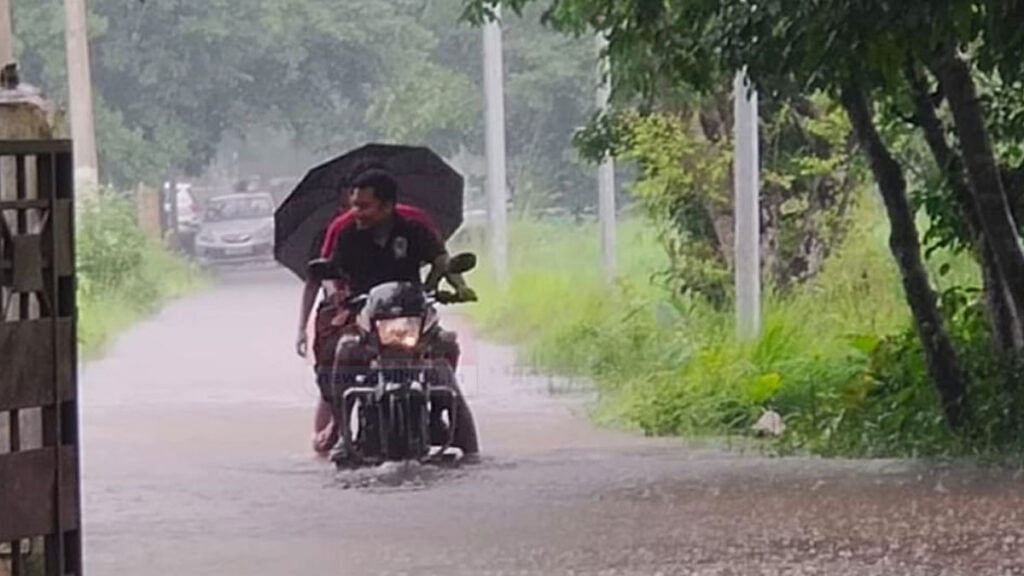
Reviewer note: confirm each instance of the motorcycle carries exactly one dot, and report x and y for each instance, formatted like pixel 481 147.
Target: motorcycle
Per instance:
pixel 405 400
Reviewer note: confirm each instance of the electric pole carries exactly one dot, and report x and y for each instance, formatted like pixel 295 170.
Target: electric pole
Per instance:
pixel 80 96
pixel 747 210
pixel 606 171
pixel 494 130
pixel 6 34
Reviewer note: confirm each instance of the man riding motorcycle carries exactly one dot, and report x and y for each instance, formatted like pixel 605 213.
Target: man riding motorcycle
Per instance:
pixel 384 246
pixel 331 316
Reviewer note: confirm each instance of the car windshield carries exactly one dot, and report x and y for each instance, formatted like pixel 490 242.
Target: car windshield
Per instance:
pixel 219 210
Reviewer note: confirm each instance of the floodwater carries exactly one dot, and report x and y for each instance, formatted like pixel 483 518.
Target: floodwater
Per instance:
pixel 196 435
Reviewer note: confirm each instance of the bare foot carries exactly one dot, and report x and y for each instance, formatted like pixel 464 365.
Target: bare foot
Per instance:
pixel 324 440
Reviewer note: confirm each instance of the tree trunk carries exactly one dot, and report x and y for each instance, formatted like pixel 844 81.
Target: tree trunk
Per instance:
pixel 983 172
pixel 1013 185
pixel 943 364
pixel 1005 320
pixel 1007 324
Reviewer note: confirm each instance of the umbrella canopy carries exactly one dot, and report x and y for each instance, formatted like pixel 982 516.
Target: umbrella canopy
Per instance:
pixel 424 179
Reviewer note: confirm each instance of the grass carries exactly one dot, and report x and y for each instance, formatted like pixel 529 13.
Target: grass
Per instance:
pixel 122 275
pixel 836 358
pixel 102 315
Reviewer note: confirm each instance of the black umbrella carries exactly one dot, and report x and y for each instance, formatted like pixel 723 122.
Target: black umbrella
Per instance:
pixel 424 179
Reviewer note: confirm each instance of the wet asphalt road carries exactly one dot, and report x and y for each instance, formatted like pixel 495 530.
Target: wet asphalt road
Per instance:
pixel 196 461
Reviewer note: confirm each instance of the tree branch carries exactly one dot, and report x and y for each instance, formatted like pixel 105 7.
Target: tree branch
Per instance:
pixel 949 161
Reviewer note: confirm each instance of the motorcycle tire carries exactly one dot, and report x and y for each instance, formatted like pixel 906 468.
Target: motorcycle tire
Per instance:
pixel 368 436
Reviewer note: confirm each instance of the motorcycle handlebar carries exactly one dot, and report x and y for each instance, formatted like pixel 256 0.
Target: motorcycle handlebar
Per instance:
pixel 438 296
pixel 444 297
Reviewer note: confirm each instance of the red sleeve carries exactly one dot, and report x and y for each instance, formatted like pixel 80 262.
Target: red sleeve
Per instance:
pixel 333 230
pixel 414 214
pixel 346 219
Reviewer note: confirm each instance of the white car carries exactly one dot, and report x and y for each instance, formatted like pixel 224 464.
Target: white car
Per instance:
pixel 237 228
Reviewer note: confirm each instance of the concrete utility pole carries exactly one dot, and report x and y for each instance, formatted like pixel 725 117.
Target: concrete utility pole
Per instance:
pixel 80 96
pixel 747 210
pixel 6 34
pixel 606 171
pixel 494 129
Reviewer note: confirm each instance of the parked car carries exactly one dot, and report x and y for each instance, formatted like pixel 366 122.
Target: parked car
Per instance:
pixel 237 228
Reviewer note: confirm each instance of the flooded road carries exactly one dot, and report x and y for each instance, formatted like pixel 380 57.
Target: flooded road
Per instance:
pixel 196 433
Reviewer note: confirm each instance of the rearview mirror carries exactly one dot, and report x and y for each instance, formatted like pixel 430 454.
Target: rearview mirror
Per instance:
pixel 461 263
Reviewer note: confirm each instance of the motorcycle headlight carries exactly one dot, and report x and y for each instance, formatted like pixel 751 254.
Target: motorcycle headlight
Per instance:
pixel 399 332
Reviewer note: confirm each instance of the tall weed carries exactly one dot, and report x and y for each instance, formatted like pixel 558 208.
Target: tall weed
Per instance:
pixel 122 275
pixel 836 358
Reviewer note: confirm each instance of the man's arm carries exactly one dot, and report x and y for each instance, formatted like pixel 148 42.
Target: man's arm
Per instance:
pixel 327 240
pixel 308 299
pixel 439 269
pixel 436 255
pixel 431 252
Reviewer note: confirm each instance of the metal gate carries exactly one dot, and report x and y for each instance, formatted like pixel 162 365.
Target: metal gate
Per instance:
pixel 39 478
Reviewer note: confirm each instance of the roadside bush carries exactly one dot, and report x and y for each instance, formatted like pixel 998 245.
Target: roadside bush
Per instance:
pixel 836 358
pixel 122 274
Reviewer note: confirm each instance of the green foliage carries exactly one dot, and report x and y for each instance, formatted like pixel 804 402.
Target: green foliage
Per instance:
pixel 424 103
pixel 121 274
pixel 683 188
pixel 550 81
pixel 891 407
pixel 685 180
pixel 869 52
pixel 848 379
pixel 110 247
pixel 174 78
pixel 550 86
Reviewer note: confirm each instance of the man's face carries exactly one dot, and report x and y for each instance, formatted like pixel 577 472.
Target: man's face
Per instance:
pixel 369 211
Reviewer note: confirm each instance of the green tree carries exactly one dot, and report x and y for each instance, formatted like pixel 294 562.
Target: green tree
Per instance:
pixel 685 185
pixel 550 83
pixel 863 53
pixel 174 77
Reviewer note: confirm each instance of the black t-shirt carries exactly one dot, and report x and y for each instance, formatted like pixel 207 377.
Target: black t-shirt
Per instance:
pixel 367 263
